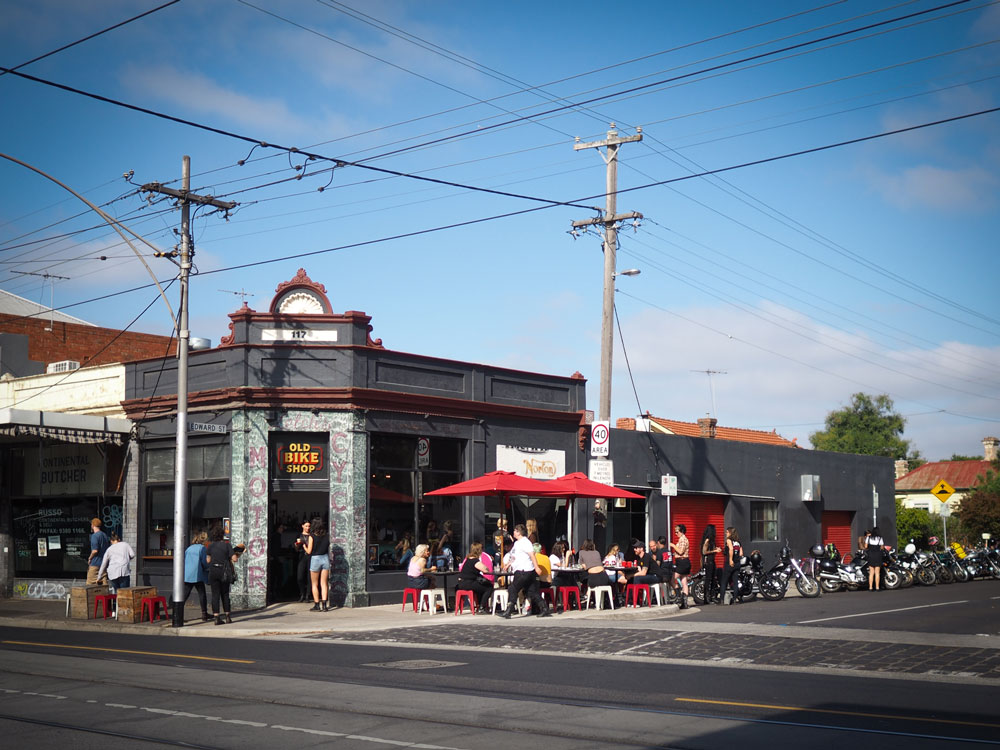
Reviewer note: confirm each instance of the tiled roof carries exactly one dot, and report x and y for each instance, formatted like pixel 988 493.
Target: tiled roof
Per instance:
pixel 739 434
pixel 959 474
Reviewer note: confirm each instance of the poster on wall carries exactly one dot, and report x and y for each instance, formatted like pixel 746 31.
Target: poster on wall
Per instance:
pixel 534 463
pixel 43 548
pixel 54 542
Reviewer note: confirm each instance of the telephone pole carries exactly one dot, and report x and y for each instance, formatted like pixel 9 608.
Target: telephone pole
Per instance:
pixel 185 198
pixel 611 221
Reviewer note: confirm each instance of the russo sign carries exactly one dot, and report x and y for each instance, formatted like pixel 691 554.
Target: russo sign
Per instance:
pixel 300 457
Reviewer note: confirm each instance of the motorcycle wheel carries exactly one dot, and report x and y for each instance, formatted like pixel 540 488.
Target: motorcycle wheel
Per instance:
pixel 829 585
pixel 771 588
pixel 907 578
pixel 892 580
pixel 747 594
pixel 944 575
pixel 698 592
pixel 926 577
pixel 807 587
pixel 960 573
pixel 853 587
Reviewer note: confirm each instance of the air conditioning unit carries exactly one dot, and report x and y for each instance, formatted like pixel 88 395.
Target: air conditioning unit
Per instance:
pixel 67 365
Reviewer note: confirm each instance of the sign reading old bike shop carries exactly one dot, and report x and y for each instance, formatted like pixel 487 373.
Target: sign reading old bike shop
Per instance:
pixel 300 456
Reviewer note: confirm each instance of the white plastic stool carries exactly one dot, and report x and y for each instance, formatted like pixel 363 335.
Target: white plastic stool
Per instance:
pixel 431 598
pixel 659 591
pixel 499 599
pixel 595 597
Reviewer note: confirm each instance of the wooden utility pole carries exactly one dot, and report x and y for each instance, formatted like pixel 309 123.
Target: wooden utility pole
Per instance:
pixel 611 221
pixel 185 198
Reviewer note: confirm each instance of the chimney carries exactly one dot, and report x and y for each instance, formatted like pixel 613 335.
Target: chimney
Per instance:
pixel 707 425
pixel 902 467
pixel 625 423
pixel 990 445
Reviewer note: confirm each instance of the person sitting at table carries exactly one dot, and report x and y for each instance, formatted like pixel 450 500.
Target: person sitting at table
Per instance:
pixel 472 577
pixel 613 560
pixel 560 559
pixel 590 559
pixel 404 549
pixel 648 569
pixel 417 576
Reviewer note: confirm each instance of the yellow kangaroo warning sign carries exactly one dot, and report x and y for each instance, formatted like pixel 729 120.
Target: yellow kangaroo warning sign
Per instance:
pixel 942 491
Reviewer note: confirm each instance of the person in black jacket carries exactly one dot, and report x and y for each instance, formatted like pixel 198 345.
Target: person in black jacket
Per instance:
pixel 220 559
pixel 470 578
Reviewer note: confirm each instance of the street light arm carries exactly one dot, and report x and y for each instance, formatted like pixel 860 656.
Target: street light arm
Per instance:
pixel 114 223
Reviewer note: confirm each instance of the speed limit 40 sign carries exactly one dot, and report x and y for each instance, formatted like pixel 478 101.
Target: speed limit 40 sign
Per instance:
pixel 600 438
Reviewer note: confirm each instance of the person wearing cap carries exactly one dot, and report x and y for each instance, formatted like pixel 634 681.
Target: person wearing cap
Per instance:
pixel 524 565
pixel 648 568
pixel 99 544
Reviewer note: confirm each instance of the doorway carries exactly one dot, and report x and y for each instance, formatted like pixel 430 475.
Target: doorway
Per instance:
pixel 287 510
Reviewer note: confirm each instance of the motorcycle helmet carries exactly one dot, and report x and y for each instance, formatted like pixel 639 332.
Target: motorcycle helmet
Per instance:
pixel 933 541
pixel 756 558
pixel 818 551
pixel 828 566
pixel 910 548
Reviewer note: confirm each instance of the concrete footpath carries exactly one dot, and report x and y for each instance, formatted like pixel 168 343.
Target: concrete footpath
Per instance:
pixel 295 619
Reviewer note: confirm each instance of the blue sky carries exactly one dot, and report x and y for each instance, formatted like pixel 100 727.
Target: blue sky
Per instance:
pixel 865 267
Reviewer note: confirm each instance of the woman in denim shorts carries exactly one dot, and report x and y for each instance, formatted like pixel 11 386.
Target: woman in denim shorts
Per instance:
pixel 318 549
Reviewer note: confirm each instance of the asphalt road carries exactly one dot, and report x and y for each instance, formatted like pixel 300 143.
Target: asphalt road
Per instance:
pixel 757 675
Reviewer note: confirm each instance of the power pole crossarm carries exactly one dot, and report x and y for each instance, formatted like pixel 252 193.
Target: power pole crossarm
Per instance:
pixel 610 220
pixel 184 195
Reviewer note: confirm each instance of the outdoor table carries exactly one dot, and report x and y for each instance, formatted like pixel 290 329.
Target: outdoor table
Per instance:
pixel 443 575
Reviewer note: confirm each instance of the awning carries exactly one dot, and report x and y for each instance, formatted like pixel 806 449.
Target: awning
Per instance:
pixel 68 428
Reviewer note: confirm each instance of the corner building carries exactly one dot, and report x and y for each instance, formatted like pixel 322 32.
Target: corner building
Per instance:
pixel 300 413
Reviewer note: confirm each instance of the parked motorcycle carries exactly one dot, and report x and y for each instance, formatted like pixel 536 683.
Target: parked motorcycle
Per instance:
pixel 892 563
pixel 774 584
pixel 832 573
pixel 748 580
pixel 891 576
pixel 918 564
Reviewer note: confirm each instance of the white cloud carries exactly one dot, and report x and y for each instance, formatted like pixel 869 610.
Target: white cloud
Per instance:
pixel 193 92
pixel 970 189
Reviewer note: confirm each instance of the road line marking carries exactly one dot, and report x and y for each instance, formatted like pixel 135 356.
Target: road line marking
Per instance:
pixel 859 714
pixel 127 651
pixel 881 612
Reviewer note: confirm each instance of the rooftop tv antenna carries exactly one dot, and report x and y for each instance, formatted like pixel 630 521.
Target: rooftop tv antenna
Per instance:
pixel 711 384
pixel 52 291
pixel 243 293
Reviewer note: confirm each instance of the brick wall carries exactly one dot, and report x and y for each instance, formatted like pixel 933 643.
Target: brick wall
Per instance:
pixel 84 344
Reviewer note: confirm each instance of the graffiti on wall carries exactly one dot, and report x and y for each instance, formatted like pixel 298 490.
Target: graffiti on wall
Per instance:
pixel 41 590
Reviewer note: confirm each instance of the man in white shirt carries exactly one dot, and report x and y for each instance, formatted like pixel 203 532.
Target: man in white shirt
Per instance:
pixel 526 572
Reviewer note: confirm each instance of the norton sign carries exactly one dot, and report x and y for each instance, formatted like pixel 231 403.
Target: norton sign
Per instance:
pixel 300 458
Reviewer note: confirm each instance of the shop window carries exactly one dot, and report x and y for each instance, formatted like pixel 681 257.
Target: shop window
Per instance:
pixel 400 517
pixel 763 521
pixel 203 462
pixel 208 505
pixel 52 536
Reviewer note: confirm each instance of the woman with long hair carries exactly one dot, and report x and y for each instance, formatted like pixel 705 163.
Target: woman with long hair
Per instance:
pixel 731 566
pixel 709 549
pixel 318 549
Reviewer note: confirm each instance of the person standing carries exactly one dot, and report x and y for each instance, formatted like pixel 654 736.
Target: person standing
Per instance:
pixel 220 558
pixel 709 549
pixel 526 571
pixel 682 564
pixel 196 571
pixel 318 549
pixel 116 565
pixel 99 544
pixel 302 563
pixel 874 544
pixel 731 566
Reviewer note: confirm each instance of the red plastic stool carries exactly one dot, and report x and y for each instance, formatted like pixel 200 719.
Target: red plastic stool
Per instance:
pixel 632 592
pixel 549 595
pixel 463 596
pixel 105 601
pixel 567 593
pixel 413 594
pixel 153 602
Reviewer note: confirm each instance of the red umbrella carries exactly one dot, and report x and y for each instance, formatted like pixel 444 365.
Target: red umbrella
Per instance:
pixel 496 484
pixel 578 484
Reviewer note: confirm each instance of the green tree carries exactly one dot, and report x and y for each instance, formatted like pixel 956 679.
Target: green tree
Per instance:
pixel 980 511
pixel 916 524
pixel 868 426
pixel 958 457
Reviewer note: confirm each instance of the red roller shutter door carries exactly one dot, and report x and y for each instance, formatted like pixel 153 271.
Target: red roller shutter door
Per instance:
pixel 837 529
pixel 696 512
